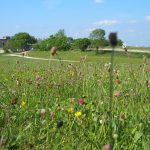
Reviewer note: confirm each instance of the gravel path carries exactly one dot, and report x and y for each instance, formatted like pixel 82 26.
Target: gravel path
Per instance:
pixel 35 58
pixel 28 57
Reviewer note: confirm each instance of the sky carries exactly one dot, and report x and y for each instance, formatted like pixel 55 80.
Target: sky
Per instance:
pixel 41 18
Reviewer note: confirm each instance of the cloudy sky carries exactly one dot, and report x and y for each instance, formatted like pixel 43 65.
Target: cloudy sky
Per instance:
pixel 41 18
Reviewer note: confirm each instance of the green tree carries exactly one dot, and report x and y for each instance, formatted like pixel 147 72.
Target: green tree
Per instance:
pixel 97 37
pixel 58 40
pixel 20 41
pixel 60 33
pixel 81 43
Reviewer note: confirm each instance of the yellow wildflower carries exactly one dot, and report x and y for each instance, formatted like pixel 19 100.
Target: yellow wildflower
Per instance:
pixel 70 110
pixel 78 114
pixel 23 103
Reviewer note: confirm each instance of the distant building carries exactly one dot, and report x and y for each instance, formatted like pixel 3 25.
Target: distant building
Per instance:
pixel 4 40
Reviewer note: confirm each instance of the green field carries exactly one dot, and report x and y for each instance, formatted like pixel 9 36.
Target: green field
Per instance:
pixel 63 106
pixel 91 57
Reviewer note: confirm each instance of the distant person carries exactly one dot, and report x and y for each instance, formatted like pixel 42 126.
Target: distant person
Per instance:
pixel 124 47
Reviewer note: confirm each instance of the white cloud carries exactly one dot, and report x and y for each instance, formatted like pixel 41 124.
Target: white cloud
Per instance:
pixel 106 22
pixel 98 1
pixel 148 18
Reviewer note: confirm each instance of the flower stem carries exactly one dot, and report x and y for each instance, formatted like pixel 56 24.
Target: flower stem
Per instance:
pixel 111 95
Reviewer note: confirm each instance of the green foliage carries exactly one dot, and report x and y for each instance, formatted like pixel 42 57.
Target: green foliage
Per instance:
pixel 62 43
pixel 20 41
pixel 58 40
pixel 60 33
pixel 81 43
pixel 98 39
pixel 97 34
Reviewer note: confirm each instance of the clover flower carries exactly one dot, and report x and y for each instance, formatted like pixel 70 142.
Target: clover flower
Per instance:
pixel 81 101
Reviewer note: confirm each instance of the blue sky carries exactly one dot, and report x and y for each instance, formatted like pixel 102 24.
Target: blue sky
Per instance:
pixel 41 18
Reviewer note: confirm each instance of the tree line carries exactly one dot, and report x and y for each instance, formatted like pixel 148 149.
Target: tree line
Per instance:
pixel 24 41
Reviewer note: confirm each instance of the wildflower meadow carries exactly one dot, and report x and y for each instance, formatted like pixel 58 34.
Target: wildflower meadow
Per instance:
pixel 65 106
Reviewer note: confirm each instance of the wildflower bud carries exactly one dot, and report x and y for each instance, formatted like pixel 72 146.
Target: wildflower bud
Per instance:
pixel 113 39
pixel 53 51
pixel 52 115
pixel 122 116
pixel 107 147
pixel 117 93
pixel 81 101
pixel 127 94
pixel 43 112
pixel 59 124
pixel 118 82
pixel 14 100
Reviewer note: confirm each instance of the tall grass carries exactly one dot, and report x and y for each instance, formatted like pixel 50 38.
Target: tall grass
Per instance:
pixel 47 99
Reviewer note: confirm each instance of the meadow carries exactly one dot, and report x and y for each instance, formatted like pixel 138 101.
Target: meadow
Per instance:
pixel 49 105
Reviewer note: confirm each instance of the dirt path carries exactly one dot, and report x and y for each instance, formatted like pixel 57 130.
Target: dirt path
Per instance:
pixel 35 58
pixel 131 51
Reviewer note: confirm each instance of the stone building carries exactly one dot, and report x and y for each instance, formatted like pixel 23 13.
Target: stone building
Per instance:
pixel 4 40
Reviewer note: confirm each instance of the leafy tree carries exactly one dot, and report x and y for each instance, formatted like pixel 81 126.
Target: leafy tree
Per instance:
pixel 60 33
pixel 97 37
pixel 81 43
pixel 20 41
pixel 58 40
pixel 62 43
